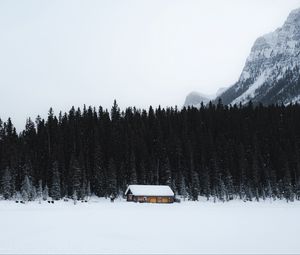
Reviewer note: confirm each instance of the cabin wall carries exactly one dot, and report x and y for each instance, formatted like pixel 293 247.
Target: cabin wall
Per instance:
pixel 130 197
pixel 150 199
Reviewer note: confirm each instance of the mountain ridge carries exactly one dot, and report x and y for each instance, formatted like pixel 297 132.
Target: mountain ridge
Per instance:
pixel 195 98
pixel 271 72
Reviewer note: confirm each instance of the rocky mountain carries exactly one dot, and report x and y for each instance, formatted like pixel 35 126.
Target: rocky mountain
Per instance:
pixel 271 73
pixel 195 99
pixel 220 91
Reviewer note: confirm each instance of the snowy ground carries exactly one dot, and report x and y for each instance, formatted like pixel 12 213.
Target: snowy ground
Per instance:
pixel 190 227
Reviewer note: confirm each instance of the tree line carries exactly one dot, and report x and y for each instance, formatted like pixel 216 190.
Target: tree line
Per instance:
pixel 219 152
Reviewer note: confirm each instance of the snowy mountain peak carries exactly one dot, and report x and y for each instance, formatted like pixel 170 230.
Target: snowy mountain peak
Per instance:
pixel 271 71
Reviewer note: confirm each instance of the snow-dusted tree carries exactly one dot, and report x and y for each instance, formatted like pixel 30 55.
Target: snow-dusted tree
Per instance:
pixel 6 184
pixel 55 187
pixel 40 191
pixel 33 193
pixel 88 190
pixel 205 183
pixel 263 193
pixel 26 189
pixel 83 191
pixel 17 196
pixel 228 180
pixel 287 184
pixel 269 191
pixel 242 171
pixel 76 175
pixel 214 194
pixel 194 189
pixel 222 189
pixel 45 192
pixel 74 197
pixel 297 189
pixel 249 193
pixel 182 188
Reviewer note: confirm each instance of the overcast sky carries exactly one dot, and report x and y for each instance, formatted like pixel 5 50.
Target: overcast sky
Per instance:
pixel 63 53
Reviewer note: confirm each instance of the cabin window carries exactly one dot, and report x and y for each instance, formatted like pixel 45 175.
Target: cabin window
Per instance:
pixel 145 199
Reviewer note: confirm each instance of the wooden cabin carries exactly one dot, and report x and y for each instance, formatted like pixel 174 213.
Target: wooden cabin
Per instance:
pixel 149 194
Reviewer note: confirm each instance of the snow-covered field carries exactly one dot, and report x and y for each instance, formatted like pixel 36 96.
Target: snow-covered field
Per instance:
pixel 189 227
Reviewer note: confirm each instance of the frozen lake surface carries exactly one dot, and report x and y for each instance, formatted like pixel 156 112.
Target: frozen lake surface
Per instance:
pixel 100 226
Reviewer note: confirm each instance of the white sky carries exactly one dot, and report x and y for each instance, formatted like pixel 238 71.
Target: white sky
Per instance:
pixel 61 53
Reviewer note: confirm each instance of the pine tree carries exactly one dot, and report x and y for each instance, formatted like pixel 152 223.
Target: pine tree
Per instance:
pixel 229 186
pixel 142 173
pixel 26 189
pixel 83 191
pixel 242 176
pixel 6 184
pixel 255 174
pixel 288 193
pixel 40 191
pixel 100 186
pixel 33 193
pixel 45 193
pixel 166 178
pixel 297 190
pixel 269 190
pixel 222 189
pixel 76 175
pixel 182 188
pixel 132 169
pixel 194 190
pixel 99 181
pixel 112 179
pixel 55 188
pixel 74 197
pixel 206 184
pixel 88 190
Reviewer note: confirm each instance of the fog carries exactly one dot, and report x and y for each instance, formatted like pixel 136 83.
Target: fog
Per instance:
pixel 144 52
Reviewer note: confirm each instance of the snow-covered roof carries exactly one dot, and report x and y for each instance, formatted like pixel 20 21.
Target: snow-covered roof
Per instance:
pixel 150 190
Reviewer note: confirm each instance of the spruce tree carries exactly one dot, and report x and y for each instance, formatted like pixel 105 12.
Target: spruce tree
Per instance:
pixel 288 193
pixel 76 172
pixel 55 187
pixel 112 189
pixel 194 189
pixel 6 184
pixel 88 190
pixel 45 193
pixel 26 189
pixel 74 197
pixel 166 177
pixel 100 179
pixel 132 170
pixel 182 188
pixel 40 191
pixel 222 189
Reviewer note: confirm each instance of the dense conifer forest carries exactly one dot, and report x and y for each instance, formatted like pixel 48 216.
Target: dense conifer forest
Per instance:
pixel 219 152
